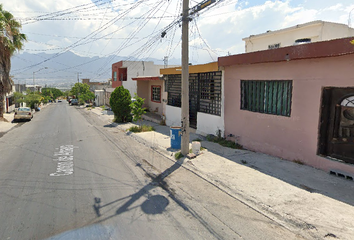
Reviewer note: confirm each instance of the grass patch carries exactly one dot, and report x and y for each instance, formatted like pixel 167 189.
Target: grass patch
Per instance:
pixel 143 128
pixel 178 155
pixel 223 142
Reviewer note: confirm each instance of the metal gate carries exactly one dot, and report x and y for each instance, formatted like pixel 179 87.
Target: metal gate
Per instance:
pixel 337 124
pixel 193 99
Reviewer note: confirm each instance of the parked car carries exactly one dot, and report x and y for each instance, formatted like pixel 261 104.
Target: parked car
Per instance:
pixel 23 113
pixel 74 102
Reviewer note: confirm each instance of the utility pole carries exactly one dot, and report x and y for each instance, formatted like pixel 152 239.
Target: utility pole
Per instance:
pixel 185 80
pixel 78 84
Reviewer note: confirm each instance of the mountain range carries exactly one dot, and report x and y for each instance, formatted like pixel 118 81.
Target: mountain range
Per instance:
pixel 66 68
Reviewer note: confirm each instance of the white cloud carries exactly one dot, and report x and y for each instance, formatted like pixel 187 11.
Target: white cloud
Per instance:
pixel 222 27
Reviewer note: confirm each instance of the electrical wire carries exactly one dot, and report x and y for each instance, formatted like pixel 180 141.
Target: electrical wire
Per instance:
pixel 94 33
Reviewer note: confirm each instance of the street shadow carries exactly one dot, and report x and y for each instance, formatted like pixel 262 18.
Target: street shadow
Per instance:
pixel 155 204
pixel 111 125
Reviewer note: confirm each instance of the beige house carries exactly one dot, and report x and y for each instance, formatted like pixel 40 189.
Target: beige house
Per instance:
pixel 294 102
pixel 153 91
pixel 302 33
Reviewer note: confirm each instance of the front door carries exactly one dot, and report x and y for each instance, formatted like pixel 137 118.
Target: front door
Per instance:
pixel 337 124
pixel 193 99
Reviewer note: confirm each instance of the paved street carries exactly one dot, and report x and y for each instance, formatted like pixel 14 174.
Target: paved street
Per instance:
pixel 65 175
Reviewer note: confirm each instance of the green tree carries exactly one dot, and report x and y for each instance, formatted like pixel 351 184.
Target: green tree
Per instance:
pixel 11 40
pixel 19 97
pixel 137 109
pixel 86 97
pixel 80 88
pixel 32 99
pixel 54 93
pixel 120 101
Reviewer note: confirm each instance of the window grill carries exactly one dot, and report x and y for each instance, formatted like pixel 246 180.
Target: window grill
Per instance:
pixel 270 97
pixel 210 93
pixel 205 86
pixel 174 90
pixel 156 94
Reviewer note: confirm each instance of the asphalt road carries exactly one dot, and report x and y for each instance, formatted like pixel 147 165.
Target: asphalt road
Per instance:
pixel 63 177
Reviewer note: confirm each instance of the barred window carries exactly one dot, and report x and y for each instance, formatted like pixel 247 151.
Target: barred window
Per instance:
pixel 174 90
pixel 270 97
pixel 156 94
pixel 210 93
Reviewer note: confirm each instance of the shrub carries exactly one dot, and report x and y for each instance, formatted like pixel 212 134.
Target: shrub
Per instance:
pixel 178 155
pixel 120 103
pixel 137 108
pixel 143 128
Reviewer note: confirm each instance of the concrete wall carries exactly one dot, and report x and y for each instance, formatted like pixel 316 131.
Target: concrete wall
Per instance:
pixel 173 116
pixel 209 124
pixel 136 69
pixel 317 31
pixel 294 137
pixel 99 97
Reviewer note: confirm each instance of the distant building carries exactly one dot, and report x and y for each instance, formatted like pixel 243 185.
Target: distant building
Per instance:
pixel 315 31
pixel 97 85
pixel 34 88
pixel 20 88
pixel 123 73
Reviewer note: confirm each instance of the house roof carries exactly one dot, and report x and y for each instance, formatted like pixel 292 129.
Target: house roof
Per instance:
pixel 147 78
pixel 322 49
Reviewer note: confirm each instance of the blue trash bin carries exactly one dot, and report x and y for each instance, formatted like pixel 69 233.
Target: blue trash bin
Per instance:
pixel 175 134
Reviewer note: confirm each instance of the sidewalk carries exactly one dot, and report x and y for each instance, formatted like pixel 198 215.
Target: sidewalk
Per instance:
pixel 294 195
pixel 7 126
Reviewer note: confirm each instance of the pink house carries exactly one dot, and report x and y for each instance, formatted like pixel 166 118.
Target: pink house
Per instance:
pixel 295 102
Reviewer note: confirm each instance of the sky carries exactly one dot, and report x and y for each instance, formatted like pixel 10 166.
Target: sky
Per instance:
pixel 133 28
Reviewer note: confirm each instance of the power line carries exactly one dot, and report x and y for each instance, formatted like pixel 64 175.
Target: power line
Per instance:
pixel 94 33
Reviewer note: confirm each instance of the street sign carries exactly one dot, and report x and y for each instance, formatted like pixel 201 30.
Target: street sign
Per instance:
pixel 201 6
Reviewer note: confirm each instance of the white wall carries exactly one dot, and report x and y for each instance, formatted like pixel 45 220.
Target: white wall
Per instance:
pixel 317 31
pixel 209 124
pixel 139 68
pixel 173 116
pixel 100 95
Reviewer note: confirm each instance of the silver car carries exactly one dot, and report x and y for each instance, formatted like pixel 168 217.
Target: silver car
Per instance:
pixel 23 113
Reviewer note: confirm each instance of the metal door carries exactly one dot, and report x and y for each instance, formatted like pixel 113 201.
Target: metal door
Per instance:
pixel 337 124
pixel 193 99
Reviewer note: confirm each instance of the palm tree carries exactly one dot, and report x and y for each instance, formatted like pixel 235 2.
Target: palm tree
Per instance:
pixel 11 40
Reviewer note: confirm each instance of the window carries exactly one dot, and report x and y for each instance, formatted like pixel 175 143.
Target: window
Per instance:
pixel 156 94
pixel 210 92
pixel 174 90
pixel 122 74
pixel 270 97
pixel 114 76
